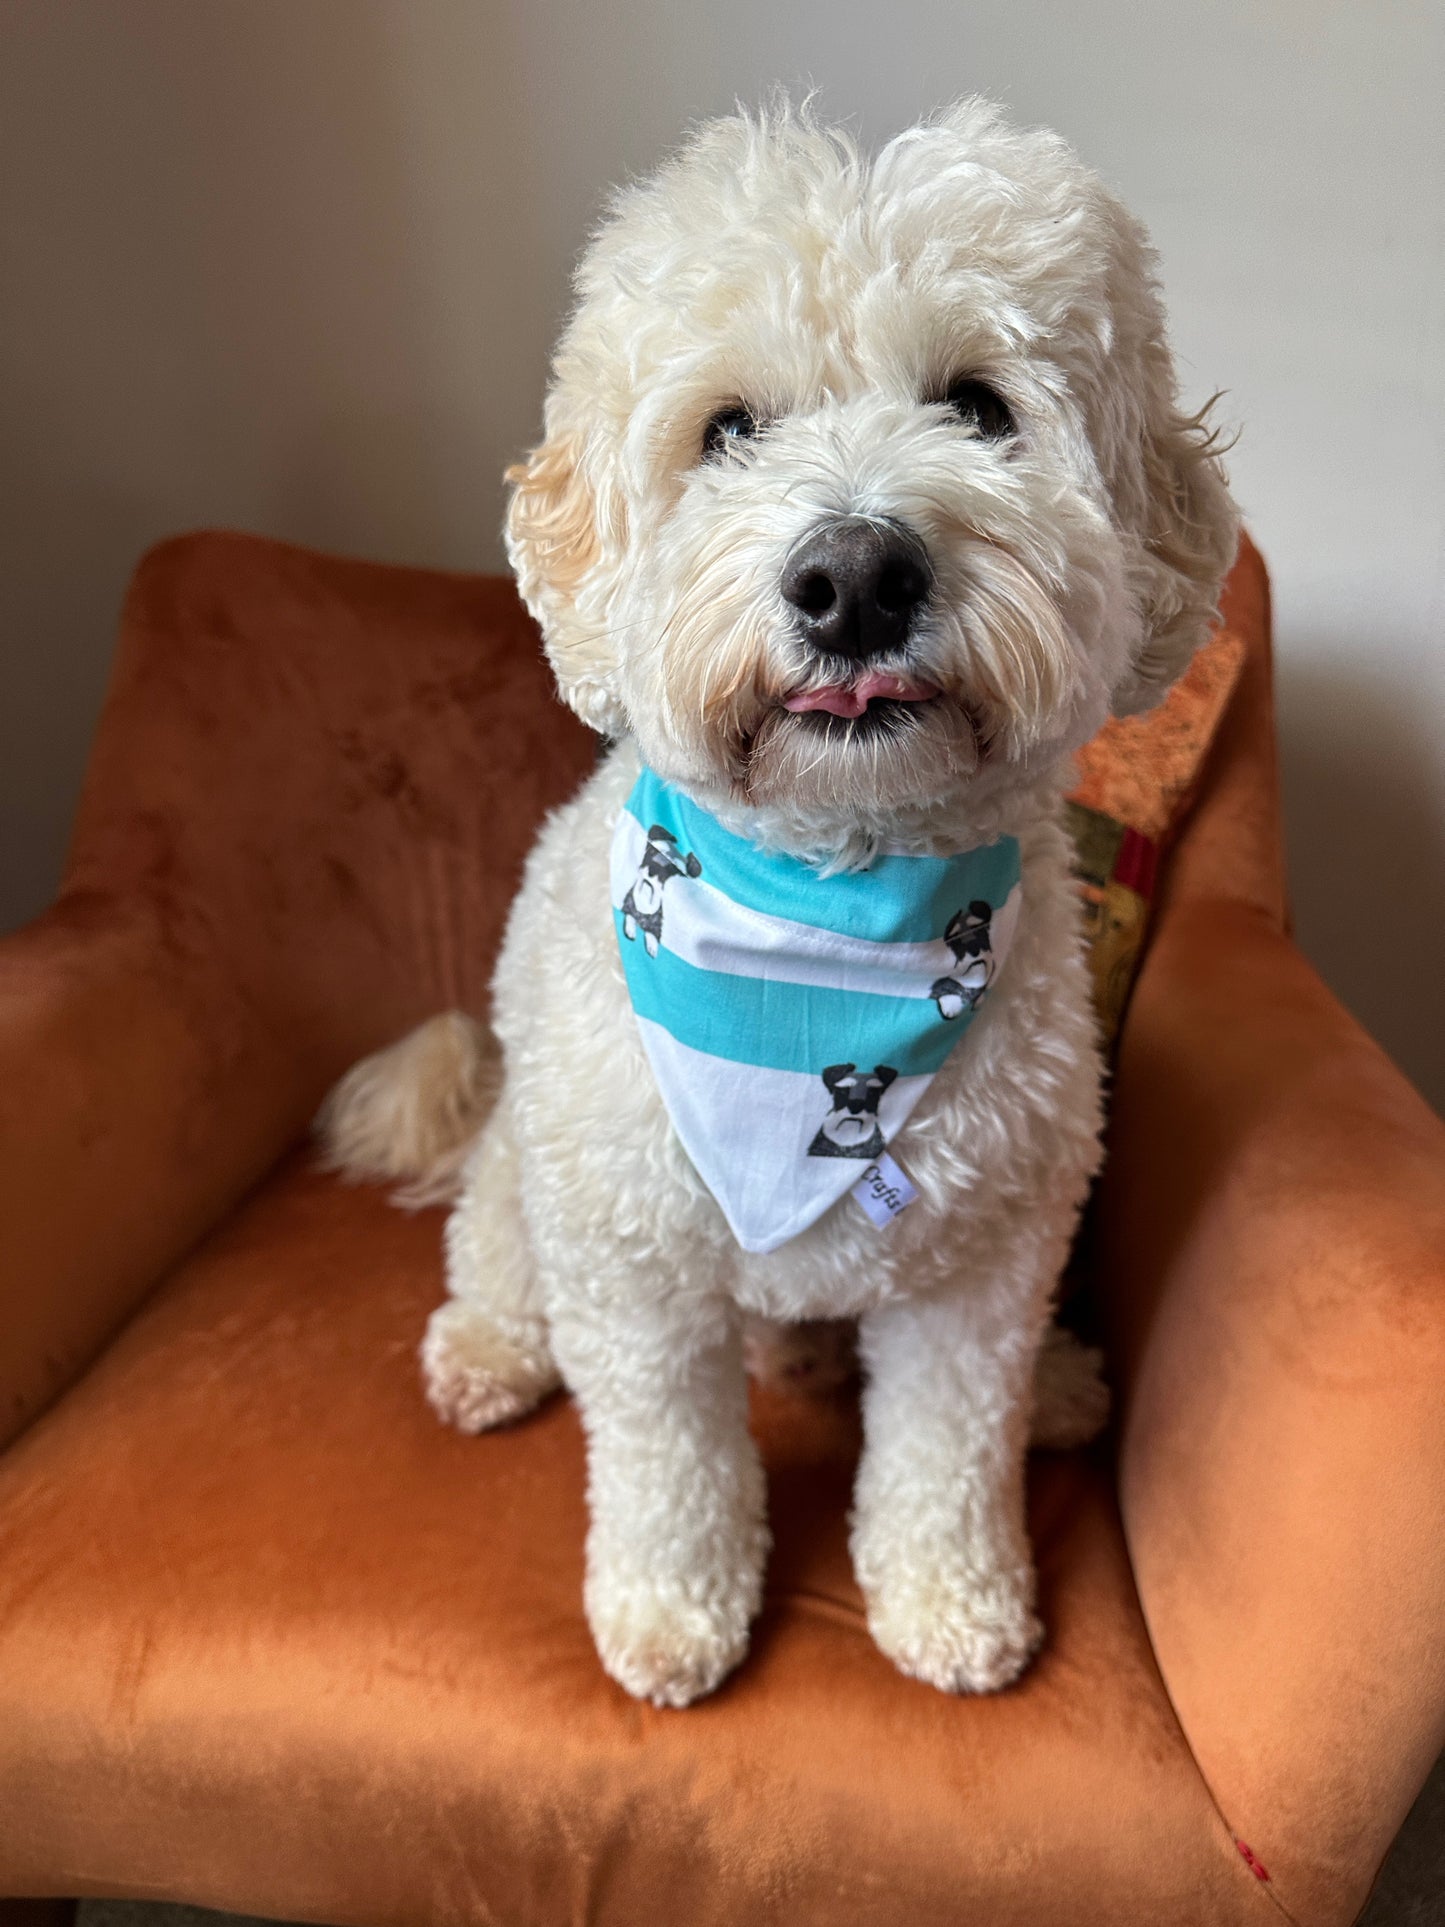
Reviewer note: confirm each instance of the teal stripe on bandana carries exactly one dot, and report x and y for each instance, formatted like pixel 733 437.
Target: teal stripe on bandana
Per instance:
pixel 793 1020
pixel 783 1026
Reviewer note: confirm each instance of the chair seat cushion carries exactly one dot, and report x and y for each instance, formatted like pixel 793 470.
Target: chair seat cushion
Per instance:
pixel 273 1639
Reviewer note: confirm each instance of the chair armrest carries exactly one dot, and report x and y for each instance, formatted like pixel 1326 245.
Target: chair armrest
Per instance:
pixel 1272 1244
pixel 139 1097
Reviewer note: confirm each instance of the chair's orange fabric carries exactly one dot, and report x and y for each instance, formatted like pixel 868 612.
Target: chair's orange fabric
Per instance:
pixel 272 1639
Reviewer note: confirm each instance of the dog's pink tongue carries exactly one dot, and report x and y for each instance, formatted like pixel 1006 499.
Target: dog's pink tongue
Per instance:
pixel 851 699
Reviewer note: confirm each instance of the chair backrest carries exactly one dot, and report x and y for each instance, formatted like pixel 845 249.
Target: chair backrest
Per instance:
pixel 1232 845
pixel 324 775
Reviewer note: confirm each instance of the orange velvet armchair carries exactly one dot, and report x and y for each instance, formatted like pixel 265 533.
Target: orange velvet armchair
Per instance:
pixel 272 1639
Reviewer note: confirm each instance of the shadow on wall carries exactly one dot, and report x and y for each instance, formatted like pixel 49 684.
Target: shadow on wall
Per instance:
pixel 261 275
pixel 58 621
pixel 1365 827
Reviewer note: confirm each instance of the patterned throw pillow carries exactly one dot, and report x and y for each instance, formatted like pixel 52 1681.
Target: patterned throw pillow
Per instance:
pixel 1136 781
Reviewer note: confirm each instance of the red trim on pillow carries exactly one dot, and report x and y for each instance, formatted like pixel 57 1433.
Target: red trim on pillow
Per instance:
pixel 1137 864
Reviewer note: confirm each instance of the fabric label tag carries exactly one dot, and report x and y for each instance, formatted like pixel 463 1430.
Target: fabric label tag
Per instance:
pixel 884 1190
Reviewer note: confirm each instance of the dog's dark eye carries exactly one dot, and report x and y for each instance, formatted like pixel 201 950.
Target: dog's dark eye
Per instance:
pixel 978 407
pixel 729 426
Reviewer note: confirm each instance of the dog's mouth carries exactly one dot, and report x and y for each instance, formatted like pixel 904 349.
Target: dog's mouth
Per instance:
pixel 877 704
pixel 876 736
pixel 873 695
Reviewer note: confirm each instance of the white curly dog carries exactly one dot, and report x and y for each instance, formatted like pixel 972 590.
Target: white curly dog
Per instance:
pixel 941 374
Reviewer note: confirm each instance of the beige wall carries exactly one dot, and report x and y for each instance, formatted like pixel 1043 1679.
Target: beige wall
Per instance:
pixel 294 265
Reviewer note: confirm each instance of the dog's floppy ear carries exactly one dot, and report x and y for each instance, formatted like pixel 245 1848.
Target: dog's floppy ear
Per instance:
pixel 558 529
pixel 837 1074
pixel 1171 495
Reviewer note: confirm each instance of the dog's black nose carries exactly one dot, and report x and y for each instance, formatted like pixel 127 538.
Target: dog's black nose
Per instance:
pixel 855 585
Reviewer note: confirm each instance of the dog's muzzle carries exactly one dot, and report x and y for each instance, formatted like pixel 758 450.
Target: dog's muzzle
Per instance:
pixel 855 586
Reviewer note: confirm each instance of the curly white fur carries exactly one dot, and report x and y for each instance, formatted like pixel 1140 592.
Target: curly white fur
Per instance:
pixel 1076 564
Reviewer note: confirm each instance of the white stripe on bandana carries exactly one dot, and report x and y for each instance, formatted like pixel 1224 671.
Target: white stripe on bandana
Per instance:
pixel 793 1020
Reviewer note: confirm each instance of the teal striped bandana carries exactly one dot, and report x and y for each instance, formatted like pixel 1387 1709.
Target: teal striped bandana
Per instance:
pixel 793 1020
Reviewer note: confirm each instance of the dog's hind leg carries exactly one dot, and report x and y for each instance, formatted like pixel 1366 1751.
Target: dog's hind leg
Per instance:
pixel 1071 1400
pixel 486 1357
pixel 816 1355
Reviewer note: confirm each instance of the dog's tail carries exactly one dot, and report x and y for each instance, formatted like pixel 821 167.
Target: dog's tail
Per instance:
pixel 408 1115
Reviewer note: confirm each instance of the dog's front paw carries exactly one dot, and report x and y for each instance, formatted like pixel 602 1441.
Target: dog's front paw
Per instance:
pixel 663 1647
pixel 959 1638
pixel 477 1376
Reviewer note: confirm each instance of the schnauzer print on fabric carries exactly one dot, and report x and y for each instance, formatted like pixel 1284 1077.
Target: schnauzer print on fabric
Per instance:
pixel 967 936
pixel 792 1019
pixel 642 906
pixel 851 1128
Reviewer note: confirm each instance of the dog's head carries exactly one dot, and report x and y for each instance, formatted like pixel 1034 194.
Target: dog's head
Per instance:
pixel 968 930
pixel 864 491
pixel 662 859
pixel 857 1092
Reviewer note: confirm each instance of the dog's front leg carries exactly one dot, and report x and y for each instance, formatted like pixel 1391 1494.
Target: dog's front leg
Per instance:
pixel 939 1541
pixel 677 1541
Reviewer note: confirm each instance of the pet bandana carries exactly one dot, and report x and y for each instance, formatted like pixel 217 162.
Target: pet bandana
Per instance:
pixel 793 1020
